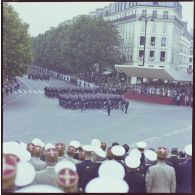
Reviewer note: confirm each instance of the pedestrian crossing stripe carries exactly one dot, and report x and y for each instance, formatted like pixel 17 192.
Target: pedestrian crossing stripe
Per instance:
pixel 29 91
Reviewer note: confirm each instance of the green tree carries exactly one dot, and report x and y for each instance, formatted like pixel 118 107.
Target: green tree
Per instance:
pixel 16 44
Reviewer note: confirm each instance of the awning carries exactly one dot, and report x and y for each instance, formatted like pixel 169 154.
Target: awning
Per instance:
pixel 154 73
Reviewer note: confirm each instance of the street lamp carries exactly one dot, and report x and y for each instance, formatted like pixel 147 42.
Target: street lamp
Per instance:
pixel 145 19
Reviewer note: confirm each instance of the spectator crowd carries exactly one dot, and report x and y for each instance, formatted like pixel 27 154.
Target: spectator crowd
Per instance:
pixel 95 167
pixel 10 86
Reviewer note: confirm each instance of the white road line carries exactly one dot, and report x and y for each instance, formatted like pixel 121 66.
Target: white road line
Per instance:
pixel 40 91
pixel 29 91
pixel 19 91
pixel 25 83
pixel 35 91
pixel 25 91
pixel 15 91
pixel 101 111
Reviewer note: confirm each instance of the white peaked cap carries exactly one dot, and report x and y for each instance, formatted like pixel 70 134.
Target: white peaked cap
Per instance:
pixel 25 174
pixel 188 149
pixel 75 143
pixel 88 148
pixel 141 144
pixel 40 188
pixel 23 146
pixel 132 162
pixel 118 150
pixel 8 147
pixel 64 164
pixel 150 155
pixel 135 152
pixel 111 168
pixel 49 145
pixel 38 142
pixel 96 142
pixel 99 152
pixel 107 185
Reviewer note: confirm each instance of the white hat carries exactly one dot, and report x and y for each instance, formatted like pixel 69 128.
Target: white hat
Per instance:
pixel 132 162
pixel 111 168
pixel 49 145
pixel 96 142
pixel 141 145
pixel 64 164
pixel 75 144
pixel 88 148
pixel 135 152
pixel 99 152
pixel 38 142
pixel 23 145
pixel 25 174
pixel 40 188
pixel 107 185
pixel 150 155
pixel 8 147
pixel 118 150
pixel 188 149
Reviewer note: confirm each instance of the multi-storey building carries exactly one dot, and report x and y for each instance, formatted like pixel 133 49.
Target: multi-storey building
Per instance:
pixel 167 42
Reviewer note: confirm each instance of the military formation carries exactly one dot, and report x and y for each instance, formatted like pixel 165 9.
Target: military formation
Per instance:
pixel 38 76
pixel 48 167
pixel 10 86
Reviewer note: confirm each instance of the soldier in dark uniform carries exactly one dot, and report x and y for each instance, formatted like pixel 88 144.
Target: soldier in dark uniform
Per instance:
pixel 184 173
pixel 108 107
pixel 126 106
pixel 135 180
pixel 173 159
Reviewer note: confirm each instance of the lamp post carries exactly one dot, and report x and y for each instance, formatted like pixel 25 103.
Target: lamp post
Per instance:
pixel 145 19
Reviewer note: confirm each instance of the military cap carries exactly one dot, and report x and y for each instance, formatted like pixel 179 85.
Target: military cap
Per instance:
pixel 49 145
pixel 150 155
pixel 132 162
pixel 64 165
pixel 9 172
pixel 141 145
pixel 8 147
pixel 135 152
pixel 30 147
pixel 75 144
pixel 51 155
pixel 96 142
pixel 25 174
pixel 188 149
pixel 107 185
pixel 88 148
pixel 111 168
pixel 23 145
pixel 99 152
pixel 118 150
pixel 38 142
pixel 68 180
pixel 162 152
pixel 38 188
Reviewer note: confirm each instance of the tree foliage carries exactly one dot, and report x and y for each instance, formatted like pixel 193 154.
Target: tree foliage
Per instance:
pixel 78 46
pixel 16 44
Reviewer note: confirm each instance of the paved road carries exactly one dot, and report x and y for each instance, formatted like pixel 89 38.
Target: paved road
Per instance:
pixel 28 113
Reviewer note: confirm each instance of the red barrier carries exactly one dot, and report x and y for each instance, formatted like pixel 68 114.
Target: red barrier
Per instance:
pixel 148 98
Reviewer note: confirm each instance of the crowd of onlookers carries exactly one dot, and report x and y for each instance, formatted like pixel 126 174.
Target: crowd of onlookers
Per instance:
pixel 56 167
pixel 10 86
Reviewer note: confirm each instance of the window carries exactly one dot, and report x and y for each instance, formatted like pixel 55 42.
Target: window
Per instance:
pixel 152 41
pixel 190 60
pixel 155 3
pixel 151 58
pixel 141 54
pixel 163 41
pixel 153 27
pixel 142 40
pixel 162 56
pixel 164 28
pixel 165 15
pixel 154 14
pixel 144 12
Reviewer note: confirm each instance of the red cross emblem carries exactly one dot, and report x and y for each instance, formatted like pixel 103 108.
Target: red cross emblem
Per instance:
pixel 67 177
pixel 9 167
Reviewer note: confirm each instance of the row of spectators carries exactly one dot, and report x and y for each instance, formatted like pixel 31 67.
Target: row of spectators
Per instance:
pixel 9 86
pixel 95 167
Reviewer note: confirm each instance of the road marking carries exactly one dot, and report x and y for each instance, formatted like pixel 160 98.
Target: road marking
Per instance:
pixel 35 91
pixel 25 83
pixel 29 91
pixel 19 91
pixel 41 92
pixel 101 111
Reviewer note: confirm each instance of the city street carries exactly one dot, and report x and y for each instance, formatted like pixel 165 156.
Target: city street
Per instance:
pixel 28 113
